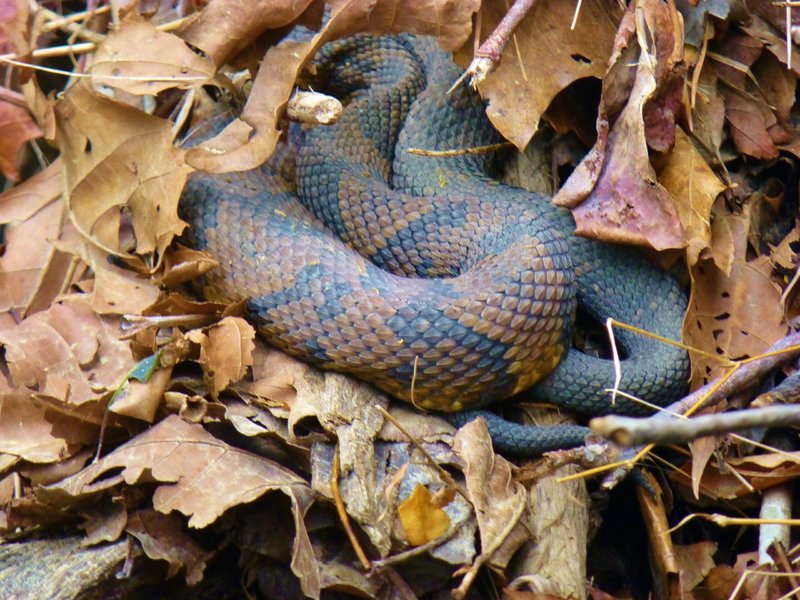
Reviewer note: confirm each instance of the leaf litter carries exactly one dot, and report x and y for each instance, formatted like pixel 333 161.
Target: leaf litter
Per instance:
pixel 694 122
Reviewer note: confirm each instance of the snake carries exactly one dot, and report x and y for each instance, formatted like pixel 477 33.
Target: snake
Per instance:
pixel 421 274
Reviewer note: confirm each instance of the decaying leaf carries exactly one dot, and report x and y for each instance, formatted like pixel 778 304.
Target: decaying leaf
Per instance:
pixel 614 194
pixel 735 314
pixel 25 431
pixel 33 271
pixel 198 475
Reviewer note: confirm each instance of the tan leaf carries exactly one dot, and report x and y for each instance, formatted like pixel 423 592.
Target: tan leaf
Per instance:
pixel 139 59
pixel 200 476
pixel 116 290
pixel 732 315
pixel 226 350
pixel 119 160
pixel 24 430
pixel 104 522
pixel 32 270
pixel 694 187
pixel 226 27
pixel 14 27
pixel 499 500
pixel 421 517
pixel 183 264
pixel 546 56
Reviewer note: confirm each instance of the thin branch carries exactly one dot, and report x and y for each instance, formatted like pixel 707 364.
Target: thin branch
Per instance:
pixel 630 431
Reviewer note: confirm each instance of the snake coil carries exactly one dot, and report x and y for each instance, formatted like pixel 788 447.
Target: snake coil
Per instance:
pixel 449 288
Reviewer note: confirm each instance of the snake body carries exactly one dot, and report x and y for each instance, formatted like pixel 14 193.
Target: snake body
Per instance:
pixel 450 290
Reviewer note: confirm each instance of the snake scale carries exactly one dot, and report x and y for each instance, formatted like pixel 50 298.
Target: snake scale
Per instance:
pixel 421 274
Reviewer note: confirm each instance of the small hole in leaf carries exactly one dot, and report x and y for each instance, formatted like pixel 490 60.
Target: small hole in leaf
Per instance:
pixel 88 147
pixel 726 295
pixel 699 326
pixel 719 351
pixel 580 58
pixel 722 316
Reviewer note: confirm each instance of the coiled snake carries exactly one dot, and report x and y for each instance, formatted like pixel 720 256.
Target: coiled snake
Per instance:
pixel 471 286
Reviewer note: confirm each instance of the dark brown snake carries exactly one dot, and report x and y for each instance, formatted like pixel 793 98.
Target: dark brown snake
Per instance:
pixel 428 279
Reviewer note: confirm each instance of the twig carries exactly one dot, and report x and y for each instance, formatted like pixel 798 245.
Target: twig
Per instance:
pixel 313 107
pixel 443 473
pixel 741 374
pixel 340 508
pixel 460 151
pixel 490 51
pixel 57 21
pixel 630 431
pixel 776 503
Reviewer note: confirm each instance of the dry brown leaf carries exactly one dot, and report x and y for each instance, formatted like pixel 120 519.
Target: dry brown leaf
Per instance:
pixel 695 561
pixel 226 27
pixel 139 59
pixel 694 187
pixel 184 264
pixel 708 116
pixel 249 140
pixel 119 163
pixel 613 193
pixel 32 271
pixel 702 450
pixel 274 375
pixel 422 517
pixel 200 476
pixel 41 107
pixel 749 122
pixel 22 201
pixel 67 352
pixel 732 315
pixel 163 538
pixel 738 52
pixel 545 57
pixel 26 432
pixel 774 40
pixel 226 350
pixel 141 399
pixel 498 499
pixel 760 471
pixel 104 522
pixel 17 128
pixel 661 548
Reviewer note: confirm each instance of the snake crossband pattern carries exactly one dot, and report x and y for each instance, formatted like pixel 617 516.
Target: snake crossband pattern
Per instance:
pixel 429 279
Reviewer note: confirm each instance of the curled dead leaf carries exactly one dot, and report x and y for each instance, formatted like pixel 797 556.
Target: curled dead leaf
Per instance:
pixel 226 350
